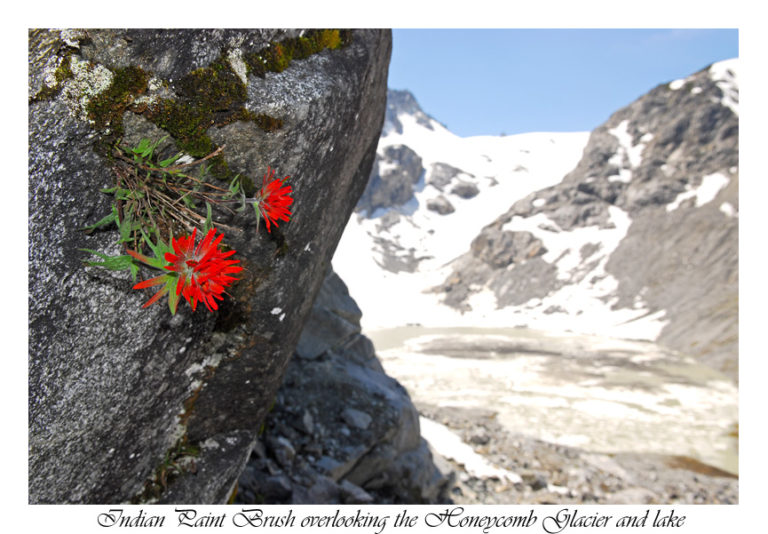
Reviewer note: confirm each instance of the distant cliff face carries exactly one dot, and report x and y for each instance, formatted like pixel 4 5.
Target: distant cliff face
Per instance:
pixel 124 402
pixel 647 221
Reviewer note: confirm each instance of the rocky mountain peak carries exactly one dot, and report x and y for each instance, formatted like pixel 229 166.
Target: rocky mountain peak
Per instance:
pixel 666 141
pixel 402 102
pixel 647 221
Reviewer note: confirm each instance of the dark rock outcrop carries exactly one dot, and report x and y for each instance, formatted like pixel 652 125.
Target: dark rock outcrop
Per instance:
pixel 465 189
pixel 440 205
pixel 341 431
pixel 442 175
pixel 394 175
pixel 121 396
pixel 500 248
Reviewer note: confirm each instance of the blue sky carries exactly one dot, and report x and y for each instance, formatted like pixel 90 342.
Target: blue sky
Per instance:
pixel 488 81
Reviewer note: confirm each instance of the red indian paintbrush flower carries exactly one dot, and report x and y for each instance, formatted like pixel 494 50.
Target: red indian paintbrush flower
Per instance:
pixel 273 199
pixel 199 274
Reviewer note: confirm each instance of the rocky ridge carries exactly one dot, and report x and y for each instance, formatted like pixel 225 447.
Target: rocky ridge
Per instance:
pixel 666 166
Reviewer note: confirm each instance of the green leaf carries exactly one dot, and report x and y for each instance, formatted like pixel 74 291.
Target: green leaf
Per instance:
pixel 123 194
pixel 113 263
pixel 145 148
pixel 242 203
pixel 142 146
pixel 126 228
pixel 158 249
pixel 168 161
pixel 151 149
pixel 258 214
pixel 234 187
pixel 208 218
pixel 173 298
pixel 112 217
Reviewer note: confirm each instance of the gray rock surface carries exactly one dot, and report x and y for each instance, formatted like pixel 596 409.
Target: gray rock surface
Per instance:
pixel 500 248
pixel 114 388
pixel 443 174
pixel 393 178
pixel 440 205
pixel 464 189
pixel 364 444
pixel 683 261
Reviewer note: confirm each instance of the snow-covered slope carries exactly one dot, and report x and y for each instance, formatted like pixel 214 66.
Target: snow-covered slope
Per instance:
pixel 630 231
pixel 502 169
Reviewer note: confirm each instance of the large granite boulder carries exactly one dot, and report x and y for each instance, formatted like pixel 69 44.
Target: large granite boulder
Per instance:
pixel 131 404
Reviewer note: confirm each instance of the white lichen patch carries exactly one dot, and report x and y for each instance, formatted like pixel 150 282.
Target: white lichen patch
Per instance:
pixel 72 37
pixel 88 81
pixel 154 89
pixel 276 311
pixel 236 61
pixel 49 71
pixel 210 443
pixel 194 373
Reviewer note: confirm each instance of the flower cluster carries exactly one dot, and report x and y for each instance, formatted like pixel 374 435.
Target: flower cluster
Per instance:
pixel 145 186
pixel 198 273
pixel 273 199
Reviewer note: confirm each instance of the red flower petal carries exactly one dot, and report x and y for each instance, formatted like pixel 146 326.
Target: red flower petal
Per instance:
pixel 274 199
pixel 204 271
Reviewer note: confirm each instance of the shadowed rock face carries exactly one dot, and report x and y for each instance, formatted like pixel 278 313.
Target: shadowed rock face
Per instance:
pixel 341 430
pixel 114 387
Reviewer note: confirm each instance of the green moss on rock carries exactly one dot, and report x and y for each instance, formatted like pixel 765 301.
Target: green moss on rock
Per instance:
pixel 216 88
pixel 278 55
pixel 62 73
pixel 106 109
pixel 186 122
pixel 209 96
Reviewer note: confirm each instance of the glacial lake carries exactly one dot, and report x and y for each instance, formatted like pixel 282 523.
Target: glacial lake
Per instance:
pixel 598 394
